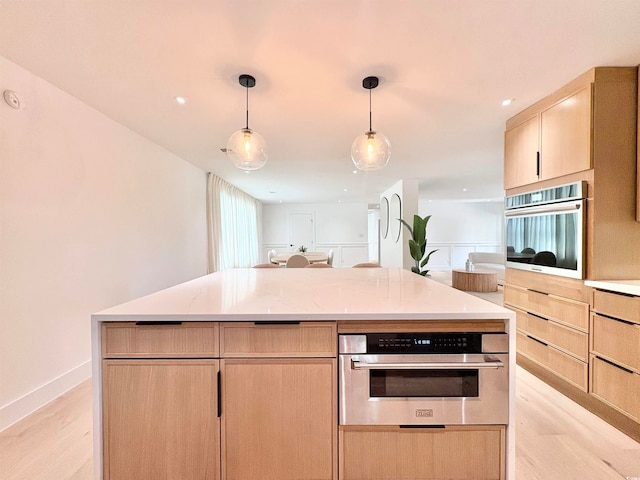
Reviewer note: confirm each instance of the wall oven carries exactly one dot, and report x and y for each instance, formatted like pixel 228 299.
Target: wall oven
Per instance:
pixel 545 230
pixel 424 379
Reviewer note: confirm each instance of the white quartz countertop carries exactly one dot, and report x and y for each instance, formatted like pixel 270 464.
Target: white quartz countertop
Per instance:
pixel 630 287
pixel 250 294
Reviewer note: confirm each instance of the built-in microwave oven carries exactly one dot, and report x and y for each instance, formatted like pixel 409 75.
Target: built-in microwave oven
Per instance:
pixel 545 230
pixel 424 378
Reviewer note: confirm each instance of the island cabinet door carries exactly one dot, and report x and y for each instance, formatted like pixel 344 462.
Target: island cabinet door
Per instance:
pixel 394 453
pixel 161 420
pixel 279 419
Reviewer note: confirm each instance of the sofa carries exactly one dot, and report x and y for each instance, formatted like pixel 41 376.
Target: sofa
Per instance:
pixel 489 261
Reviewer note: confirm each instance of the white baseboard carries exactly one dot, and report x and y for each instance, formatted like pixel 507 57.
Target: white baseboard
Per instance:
pixel 32 401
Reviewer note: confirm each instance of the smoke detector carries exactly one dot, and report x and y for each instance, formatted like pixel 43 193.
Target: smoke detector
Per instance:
pixel 12 99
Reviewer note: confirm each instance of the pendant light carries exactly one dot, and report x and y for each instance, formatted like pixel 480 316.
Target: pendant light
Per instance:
pixel 371 150
pixel 246 148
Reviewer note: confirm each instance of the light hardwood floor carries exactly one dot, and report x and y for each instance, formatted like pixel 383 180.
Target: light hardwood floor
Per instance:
pixel 556 439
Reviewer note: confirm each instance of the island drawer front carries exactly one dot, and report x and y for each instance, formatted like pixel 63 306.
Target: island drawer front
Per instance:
pixel 617 305
pixel 461 452
pixel 567 339
pixel 160 340
pixel 616 386
pixel 562 310
pixel 569 368
pixel 275 339
pixel 617 341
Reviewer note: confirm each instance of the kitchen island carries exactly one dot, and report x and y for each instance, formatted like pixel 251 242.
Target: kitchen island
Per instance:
pixel 222 354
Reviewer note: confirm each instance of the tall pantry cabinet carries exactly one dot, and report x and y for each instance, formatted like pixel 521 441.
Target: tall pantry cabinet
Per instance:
pixel 585 131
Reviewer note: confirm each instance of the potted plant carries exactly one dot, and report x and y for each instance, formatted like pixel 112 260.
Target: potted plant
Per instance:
pixel 418 243
pixel 302 249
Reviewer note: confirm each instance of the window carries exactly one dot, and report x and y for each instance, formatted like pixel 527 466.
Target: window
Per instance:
pixel 233 220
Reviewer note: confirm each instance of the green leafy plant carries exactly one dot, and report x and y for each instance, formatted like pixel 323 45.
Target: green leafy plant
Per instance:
pixel 302 249
pixel 418 243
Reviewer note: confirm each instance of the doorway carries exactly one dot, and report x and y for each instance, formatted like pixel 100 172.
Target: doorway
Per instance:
pixel 301 231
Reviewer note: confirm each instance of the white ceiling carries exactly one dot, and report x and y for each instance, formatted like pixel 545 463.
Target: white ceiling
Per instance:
pixel 444 67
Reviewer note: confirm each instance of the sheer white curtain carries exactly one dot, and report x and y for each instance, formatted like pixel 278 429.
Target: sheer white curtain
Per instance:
pixel 233 226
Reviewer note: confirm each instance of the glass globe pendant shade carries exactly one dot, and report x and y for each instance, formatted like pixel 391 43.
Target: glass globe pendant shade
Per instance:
pixel 371 151
pixel 247 149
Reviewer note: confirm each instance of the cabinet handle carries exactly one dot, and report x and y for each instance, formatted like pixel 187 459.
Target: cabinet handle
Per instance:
pixel 537 291
pixel 157 323
pixel 616 319
pixel 538 316
pixel 539 341
pixel 614 364
pixel 276 322
pixel 422 426
pixel 537 164
pixel 219 383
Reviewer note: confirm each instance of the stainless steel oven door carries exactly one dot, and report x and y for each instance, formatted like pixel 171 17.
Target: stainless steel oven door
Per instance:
pixel 447 389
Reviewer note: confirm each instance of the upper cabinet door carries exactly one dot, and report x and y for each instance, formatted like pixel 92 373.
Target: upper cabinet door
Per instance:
pixel 521 154
pixel 565 136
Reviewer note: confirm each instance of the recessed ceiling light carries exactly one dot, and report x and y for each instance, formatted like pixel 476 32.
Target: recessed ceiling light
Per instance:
pixel 355 171
pixel 345 190
pixel 507 101
pixel 180 100
pixel 464 189
pixel 339 201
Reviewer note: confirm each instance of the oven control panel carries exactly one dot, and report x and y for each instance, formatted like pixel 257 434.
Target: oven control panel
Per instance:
pixel 424 342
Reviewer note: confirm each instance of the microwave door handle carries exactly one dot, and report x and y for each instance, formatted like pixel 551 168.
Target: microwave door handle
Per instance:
pixel 358 365
pixel 553 208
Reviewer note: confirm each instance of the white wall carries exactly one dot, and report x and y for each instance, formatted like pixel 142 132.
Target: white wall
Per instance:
pixel 342 227
pixel 91 215
pixel 457 228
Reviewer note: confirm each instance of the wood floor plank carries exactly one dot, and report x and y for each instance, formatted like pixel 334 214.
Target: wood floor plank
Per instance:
pixel 53 443
pixel 556 439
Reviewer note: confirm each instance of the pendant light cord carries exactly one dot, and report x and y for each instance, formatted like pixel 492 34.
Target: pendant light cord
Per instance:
pixel 247 89
pixel 370 129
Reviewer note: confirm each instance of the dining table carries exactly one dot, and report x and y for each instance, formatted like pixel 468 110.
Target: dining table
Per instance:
pixel 313 257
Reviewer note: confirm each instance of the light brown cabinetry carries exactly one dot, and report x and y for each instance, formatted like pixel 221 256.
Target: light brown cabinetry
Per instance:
pixel 277 413
pixel 388 452
pixel 159 404
pixel 552 329
pixel 555 141
pixel 587 131
pixel 279 401
pixel 615 351
pixel 160 419
pixel 565 136
pixel 521 165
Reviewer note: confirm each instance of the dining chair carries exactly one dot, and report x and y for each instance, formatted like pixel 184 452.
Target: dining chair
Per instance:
pixel 367 265
pixel 544 258
pixel 270 255
pixel 318 265
pixel 297 261
pixel 266 265
pixel 330 257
